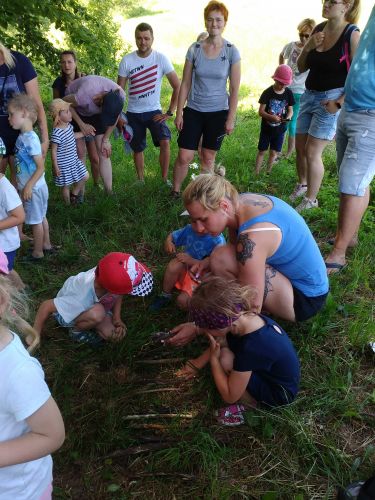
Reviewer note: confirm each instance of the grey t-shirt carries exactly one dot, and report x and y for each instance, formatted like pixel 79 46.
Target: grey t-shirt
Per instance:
pixel 209 79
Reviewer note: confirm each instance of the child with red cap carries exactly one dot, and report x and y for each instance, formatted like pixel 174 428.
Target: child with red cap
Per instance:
pixel 276 108
pixel 89 303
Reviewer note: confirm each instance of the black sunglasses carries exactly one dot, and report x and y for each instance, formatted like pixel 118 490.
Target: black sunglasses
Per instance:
pixel 302 35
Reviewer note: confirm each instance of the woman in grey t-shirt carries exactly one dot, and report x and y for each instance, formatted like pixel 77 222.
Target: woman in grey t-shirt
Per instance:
pixel 210 111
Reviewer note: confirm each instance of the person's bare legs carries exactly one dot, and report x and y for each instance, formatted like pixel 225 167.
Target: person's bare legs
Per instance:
pixel 208 160
pixel 301 160
pixel 173 272
pixel 46 239
pixel 91 318
pixel 38 240
pixel 94 161
pixel 105 165
pixel 139 162
pixel 80 186
pixel 351 211
pixel 226 361
pixel 259 161
pixel 315 166
pixel 65 192
pixel 106 328
pixel 164 157
pixel 279 297
pixel 291 146
pixel 181 165
pixel 272 156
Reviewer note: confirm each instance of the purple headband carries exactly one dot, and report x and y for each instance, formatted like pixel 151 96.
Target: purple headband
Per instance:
pixel 212 320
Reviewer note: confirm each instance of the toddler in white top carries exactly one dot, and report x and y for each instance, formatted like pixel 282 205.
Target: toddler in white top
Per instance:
pixel 31 426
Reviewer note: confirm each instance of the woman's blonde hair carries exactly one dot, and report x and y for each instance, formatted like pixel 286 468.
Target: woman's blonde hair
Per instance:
pixel 8 57
pixel 306 24
pixel 352 15
pixel 24 102
pixel 14 309
pixel 223 296
pixel 209 190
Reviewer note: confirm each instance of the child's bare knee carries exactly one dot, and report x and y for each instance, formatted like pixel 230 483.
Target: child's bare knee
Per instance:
pixel 96 313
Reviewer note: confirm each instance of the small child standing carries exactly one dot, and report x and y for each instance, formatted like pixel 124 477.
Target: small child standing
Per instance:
pixel 276 108
pixel 252 359
pixel 30 174
pixel 197 249
pixel 89 304
pixel 68 169
pixel 31 426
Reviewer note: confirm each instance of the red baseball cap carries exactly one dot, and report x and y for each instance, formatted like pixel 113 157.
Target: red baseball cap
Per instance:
pixel 121 274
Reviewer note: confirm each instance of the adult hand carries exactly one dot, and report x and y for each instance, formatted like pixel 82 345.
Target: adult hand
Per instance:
pixel 316 40
pixel 214 347
pixel 87 129
pixel 161 117
pixel 27 193
pixel 229 126
pixel 179 122
pixel 106 148
pixel 183 334
pixel 330 106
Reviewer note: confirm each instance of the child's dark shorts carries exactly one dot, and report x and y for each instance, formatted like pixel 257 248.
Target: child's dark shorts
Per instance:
pixel 267 393
pixel 271 137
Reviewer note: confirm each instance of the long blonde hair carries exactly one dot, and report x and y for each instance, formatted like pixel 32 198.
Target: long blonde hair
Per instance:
pixel 15 309
pixel 223 296
pixel 209 190
pixel 352 15
pixel 8 57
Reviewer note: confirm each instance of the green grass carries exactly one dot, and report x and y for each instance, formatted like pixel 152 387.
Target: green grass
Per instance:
pixel 324 439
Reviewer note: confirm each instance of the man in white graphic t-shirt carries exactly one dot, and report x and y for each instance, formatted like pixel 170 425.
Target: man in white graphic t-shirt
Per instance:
pixel 143 70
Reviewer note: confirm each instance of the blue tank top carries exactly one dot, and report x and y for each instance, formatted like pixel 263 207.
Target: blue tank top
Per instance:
pixel 298 256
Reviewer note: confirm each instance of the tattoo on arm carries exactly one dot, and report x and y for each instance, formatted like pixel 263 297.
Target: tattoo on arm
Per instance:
pixel 256 203
pixel 244 248
pixel 269 274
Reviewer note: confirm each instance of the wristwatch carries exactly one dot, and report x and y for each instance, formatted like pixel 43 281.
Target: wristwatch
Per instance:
pixel 169 112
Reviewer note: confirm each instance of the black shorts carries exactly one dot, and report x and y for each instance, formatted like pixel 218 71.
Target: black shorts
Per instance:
pixel 9 137
pixel 271 137
pixel 306 307
pixel 209 124
pixel 96 122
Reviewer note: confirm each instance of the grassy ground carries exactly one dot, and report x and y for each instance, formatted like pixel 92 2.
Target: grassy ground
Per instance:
pixel 324 439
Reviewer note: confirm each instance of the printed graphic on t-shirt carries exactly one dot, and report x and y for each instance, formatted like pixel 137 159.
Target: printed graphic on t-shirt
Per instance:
pixel 278 108
pixel 142 81
pixel 9 90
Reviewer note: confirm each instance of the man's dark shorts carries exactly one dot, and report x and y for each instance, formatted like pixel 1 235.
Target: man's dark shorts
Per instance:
pixel 306 307
pixel 140 122
pixel 209 124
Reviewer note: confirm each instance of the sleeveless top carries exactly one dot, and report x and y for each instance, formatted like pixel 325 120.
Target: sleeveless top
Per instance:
pixel 328 70
pixel 298 257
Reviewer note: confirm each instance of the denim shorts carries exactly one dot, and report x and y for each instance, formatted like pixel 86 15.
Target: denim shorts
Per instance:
pixel 140 122
pixel 61 321
pixel 355 145
pixel 313 118
pixel 36 208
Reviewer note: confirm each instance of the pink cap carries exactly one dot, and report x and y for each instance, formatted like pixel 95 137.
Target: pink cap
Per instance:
pixel 283 74
pixel 3 263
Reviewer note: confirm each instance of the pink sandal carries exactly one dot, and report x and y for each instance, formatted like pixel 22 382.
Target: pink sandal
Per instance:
pixel 226 411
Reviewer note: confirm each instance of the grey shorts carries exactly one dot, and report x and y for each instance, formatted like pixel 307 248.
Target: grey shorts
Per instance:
pixel 355 145
pixel 36 208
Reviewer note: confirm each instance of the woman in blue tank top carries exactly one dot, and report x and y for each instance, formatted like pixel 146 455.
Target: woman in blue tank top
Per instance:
pixel 270 247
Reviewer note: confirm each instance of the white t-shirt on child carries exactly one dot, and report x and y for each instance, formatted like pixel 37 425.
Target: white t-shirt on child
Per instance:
pixel 9 200
pixel 22 392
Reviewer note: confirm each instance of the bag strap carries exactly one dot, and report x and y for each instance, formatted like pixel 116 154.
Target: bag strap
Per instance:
pixel 346 45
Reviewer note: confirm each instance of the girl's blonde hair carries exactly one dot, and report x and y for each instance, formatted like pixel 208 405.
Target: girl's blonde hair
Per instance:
pixel 352 15
pixel 306 24
pixel 209 190
pixel 16 308
pixel 223 296
pixel 8 57
pixel 24 102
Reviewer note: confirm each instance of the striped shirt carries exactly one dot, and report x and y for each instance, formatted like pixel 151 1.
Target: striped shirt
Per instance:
pixel 71 168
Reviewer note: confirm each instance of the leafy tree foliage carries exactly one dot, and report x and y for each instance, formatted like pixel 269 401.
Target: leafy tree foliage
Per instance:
pixel 87 25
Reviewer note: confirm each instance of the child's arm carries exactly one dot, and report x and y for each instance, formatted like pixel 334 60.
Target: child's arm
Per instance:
pixel 27 190
pixel 192 366
pixel 290 113
pixel 200 265
pixel 55 167
pixel 46 435
pixel 267 116
pixel 169 246
pixel 46 308
pixel 15 217
pixel 187 259
pixel 230 386
pixel 120 327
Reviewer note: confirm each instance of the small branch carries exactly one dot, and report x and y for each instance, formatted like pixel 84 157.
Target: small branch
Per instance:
pixel 158 361
pixel 162 389
pixel 158 415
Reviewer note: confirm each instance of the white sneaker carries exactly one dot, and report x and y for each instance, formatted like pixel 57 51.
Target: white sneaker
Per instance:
pixel 299 191
pixel 306 204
